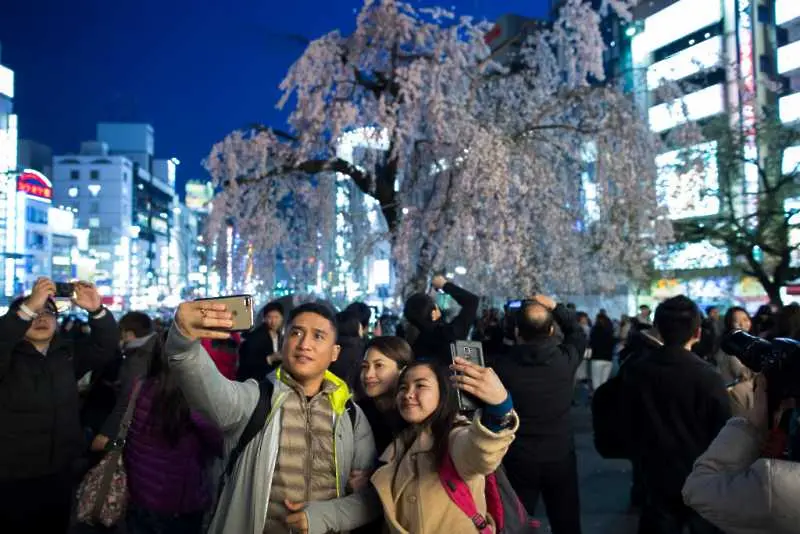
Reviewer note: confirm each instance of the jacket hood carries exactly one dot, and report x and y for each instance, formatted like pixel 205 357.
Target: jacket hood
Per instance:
pixel 418 310
pixel 338 396
pixel 536 352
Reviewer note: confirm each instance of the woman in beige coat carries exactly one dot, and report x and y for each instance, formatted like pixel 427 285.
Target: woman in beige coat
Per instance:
pixel 736 490
pixel 414 500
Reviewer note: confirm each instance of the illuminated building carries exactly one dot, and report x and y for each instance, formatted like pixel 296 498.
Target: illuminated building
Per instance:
pixel 724 50
pixel 8 170
pixel 96 187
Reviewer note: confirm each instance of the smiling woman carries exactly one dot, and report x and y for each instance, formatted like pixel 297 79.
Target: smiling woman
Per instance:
pixel 436 438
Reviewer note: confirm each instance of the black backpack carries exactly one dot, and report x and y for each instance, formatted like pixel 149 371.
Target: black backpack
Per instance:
pixel 611 418
pixel 257 421
pixel 612 428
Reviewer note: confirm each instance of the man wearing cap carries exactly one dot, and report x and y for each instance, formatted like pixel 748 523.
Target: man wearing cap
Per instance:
pixel 40 434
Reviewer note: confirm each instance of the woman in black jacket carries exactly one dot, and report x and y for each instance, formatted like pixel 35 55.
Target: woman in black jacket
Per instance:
pixel 602 343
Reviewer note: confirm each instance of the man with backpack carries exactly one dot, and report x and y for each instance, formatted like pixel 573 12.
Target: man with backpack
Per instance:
pixel 539 372
pixel 677 404
pixel 293 440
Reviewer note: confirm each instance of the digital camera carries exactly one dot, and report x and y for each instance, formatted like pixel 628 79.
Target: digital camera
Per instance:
pixel 778 360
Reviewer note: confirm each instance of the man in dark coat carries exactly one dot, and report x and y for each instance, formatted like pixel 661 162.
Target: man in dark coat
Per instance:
pixel 259 355
pixel 40 433
pixel 539 373
pixel 678 404
pixel 436 335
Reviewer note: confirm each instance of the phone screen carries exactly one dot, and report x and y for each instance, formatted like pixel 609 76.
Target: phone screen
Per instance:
pixel 471 351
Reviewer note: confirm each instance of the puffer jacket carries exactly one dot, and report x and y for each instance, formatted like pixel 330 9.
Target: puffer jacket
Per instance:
pixel 741 493
pixel 414 501
pixel 162 477
pixel 40 431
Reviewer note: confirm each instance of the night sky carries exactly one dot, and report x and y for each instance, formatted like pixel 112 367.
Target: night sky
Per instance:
pixel 194 70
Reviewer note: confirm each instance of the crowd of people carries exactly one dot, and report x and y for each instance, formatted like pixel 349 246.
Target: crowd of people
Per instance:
pixel 310 423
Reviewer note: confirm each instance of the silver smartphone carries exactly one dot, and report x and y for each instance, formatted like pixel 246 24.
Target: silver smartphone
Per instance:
pixel 241 306
pixel 472 351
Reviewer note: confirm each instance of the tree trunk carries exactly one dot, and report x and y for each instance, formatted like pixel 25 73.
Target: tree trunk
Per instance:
pixel 773 290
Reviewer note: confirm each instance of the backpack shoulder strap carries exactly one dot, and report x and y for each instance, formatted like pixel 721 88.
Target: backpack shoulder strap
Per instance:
pixel 459 493
pixel 254 425
pixel 350 408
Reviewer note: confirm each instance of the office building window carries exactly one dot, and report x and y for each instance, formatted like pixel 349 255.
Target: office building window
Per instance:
pixel 94 175
pixel 94 222
pixel 35 215
pixel 74 174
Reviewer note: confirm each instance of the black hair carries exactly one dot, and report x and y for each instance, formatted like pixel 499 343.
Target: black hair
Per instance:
pixel 443 417
pixel 729 315
pixel 361 311
pixel 710 309
pixel 137 322
pixel 347 324
pixel 272 306
pixel 534 325
pixel 677 320
pixel 173 415
pixel 787 322
pixel 316 308
pixel 418 310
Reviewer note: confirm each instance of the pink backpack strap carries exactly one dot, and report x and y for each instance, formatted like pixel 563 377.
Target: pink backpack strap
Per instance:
pixel 494 503
pixel 459 493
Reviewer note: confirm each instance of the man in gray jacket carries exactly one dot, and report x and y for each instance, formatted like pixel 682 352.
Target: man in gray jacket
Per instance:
pixel 292 477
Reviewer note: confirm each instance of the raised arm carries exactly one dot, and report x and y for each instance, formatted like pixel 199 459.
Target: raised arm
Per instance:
pixel 15 323
pixel 730 486
pixel 466 300
pixel 226 403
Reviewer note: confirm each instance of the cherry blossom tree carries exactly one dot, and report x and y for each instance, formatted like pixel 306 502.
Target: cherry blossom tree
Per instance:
pixel 536 178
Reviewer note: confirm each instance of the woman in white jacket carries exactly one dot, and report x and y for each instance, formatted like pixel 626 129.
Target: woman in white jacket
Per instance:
pixel 736 490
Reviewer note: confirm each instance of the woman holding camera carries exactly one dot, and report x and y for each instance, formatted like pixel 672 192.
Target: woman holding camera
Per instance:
pixel 736 490
pixel 409 485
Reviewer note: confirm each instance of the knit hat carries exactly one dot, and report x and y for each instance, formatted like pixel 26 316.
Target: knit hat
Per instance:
pixel 418 310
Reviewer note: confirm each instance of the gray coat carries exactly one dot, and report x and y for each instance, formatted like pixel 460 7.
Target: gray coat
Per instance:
pixel 242 508
pixel 741 493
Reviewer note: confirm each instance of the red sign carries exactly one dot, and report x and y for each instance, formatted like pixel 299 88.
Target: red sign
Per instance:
pixel 35 185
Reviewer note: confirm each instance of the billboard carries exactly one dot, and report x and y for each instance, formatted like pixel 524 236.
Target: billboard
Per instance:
pixel 199 195
pixel 35 185
pixel 688 181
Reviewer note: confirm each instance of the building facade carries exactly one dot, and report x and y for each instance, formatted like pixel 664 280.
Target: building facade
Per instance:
pixel 96 187
pixel 728 52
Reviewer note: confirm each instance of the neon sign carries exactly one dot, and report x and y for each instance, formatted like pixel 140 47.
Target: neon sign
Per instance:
pixel 35 185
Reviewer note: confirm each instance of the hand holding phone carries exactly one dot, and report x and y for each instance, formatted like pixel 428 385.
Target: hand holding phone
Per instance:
pixel 480 382
pixel 241 309
pixel 472 353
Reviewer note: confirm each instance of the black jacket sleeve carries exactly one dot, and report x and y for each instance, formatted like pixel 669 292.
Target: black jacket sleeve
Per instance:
pixel 718 405
pixel 469 309
pixel 12 331
pixel 574 344
pixel 133 368
pixel 100 348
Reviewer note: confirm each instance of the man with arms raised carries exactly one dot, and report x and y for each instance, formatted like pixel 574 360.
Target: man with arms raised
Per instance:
pixel 292 475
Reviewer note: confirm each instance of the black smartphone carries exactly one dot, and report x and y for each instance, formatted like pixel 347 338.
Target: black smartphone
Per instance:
pixel 64 289
pixel 472 351
pixel 241 306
